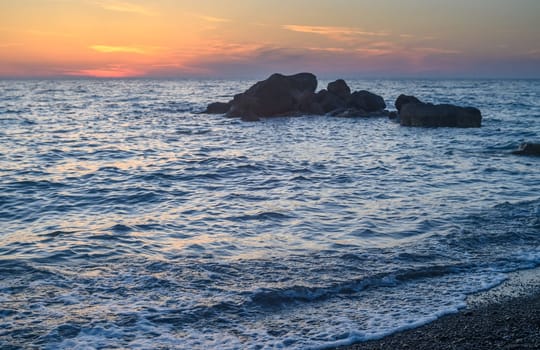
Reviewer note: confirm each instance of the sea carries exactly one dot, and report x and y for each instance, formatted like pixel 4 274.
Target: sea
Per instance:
pixel 130 220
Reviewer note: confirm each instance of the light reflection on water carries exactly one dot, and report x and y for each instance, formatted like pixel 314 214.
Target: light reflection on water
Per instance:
pixel 126 216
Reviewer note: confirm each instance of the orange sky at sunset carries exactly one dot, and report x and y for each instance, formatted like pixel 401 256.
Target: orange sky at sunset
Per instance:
pixel 166 38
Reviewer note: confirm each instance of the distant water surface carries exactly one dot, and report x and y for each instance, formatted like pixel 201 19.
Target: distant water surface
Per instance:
pixel 129 221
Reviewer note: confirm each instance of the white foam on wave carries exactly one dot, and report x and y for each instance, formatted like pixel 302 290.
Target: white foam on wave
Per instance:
pixel 161 190
pixel 372 314
pixel 531 257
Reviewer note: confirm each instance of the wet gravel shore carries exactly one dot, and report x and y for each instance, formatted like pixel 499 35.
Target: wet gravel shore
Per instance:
pixel 507 317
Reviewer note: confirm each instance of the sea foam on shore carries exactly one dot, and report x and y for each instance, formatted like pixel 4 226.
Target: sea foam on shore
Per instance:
pixel 504 317
pixel 129 220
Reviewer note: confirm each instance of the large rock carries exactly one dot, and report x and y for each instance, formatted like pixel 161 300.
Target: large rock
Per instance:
pixel 340 89
pixel 444 115
pixel 528 149
pixel 282 95
pixel 366 101
pixel 405 99
pixel 275 96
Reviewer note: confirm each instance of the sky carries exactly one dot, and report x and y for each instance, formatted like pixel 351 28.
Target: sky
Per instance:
pixel 253 38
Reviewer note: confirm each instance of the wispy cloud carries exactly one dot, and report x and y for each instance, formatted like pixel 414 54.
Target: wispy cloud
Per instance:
pixel 218 48
pixel 327 49
pixel 128 7
pixel 436 50
pixel 374 51
pixel 118 49
pixel 213 19
pixel 333 32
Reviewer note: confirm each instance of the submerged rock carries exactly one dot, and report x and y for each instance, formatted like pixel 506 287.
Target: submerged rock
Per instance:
pixel 528 149
pixel 357 113
pixel 443 115
pixel 218 108
pixel 348 113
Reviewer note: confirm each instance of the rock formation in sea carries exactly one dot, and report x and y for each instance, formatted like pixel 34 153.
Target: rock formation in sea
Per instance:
pixel 289 95
pixel 413 112
pixel 528 149
pixel 282 95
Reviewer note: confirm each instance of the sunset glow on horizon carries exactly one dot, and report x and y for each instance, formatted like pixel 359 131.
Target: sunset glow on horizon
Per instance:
pixel 166 38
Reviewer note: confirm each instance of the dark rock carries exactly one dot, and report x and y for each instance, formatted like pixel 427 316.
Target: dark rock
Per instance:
pixel 528 149
pixel 282 95
pixel 340 89
pixel 393 115
pixel 404 99
pixel 243 105
pixel 444 115
pixel 329 101
pixel 366 101
pixel 381 113
pixel 307 104
pixel 276 96
pixel 218 108
pixel 314 108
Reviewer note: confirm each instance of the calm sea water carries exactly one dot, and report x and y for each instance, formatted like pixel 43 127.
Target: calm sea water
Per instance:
pixel 129 221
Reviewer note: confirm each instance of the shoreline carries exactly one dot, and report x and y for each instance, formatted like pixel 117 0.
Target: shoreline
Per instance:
pixel 504 317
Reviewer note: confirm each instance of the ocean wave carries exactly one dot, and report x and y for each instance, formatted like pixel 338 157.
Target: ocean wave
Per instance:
pixel 128 220
pixel 261 216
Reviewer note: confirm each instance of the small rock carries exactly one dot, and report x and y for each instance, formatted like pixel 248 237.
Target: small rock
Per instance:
pixel 218 108
pixel 443 115
pixel 528 149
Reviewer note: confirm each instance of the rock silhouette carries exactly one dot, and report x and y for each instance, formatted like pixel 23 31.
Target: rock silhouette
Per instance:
pixel 290 95
pixel 275 96
pixel 282 95
pixel 366 101
pixel 443 115
pixel 340 89
pixel 329 101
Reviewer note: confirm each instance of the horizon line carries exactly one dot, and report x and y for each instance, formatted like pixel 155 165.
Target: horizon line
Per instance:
pixel 263 76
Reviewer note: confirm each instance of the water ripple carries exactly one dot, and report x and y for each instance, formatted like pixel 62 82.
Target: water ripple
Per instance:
pixel 128 220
